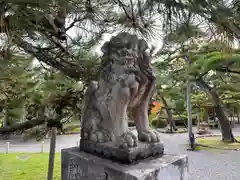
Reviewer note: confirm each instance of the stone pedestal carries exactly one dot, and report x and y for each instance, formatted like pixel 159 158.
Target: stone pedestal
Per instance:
pixel 124 156
pixel 78 165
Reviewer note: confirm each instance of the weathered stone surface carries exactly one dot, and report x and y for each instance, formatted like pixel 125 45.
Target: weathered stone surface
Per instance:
pixel 126 156
pixel 83 166
pixel 126 82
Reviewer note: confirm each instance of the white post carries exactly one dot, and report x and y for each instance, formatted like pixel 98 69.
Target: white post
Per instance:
pixel 5 117
pixel 7 147
pixel 77 143
pixel 42 146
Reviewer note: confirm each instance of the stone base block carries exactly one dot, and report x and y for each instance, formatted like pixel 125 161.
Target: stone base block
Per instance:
pixel 78 165
pixel 125 156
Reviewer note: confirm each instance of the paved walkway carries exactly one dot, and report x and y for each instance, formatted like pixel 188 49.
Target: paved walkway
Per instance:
pixel 204 165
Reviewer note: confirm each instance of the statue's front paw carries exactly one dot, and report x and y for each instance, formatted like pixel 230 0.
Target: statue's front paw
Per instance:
pixel 127 140
pixel 148 136
pixel 101 136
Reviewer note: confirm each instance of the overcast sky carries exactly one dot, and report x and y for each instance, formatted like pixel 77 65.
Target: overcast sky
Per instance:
pixel 74 32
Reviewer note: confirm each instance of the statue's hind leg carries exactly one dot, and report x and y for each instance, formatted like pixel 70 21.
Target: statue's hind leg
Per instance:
pixel 140 115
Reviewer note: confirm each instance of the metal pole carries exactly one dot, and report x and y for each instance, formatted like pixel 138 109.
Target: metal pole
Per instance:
pixel 189 108
pixel 189 111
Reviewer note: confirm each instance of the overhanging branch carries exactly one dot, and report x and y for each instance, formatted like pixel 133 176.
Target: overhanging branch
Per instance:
pixel 21 126
pixel 227 70
pixel 68 68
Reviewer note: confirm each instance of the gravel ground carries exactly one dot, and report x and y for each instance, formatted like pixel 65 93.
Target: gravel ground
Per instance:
pixel 206 164
pixel 203 165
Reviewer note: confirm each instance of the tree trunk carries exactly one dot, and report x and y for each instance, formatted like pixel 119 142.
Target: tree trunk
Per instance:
pixel 226 129
pixel 169 114
pixel 214 115
pixel 198 117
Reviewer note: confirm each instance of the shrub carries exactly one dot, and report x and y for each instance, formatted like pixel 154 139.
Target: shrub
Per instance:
pixel 183 119
pixel 37 132
pixel 159 123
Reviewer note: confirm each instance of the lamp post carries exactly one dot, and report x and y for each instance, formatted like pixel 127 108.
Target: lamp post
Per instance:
pixel 189 111
pixel 189 108
pixel 191 136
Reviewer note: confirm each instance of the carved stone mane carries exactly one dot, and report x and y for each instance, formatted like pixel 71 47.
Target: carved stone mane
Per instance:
pixel 126 82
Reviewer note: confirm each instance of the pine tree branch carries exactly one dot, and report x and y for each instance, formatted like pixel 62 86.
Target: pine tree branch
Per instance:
pixel 227 70
pixel 68 68
pixel 75 21
pixel 21 126
pixel 123 6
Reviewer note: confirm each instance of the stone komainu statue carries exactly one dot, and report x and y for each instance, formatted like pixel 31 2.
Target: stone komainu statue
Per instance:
pixel 126 83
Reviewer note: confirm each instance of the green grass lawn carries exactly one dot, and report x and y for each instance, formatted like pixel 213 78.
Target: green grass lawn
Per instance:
pixel 216 142
pixel 181 130
pixel 27 166
pixel 74 130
